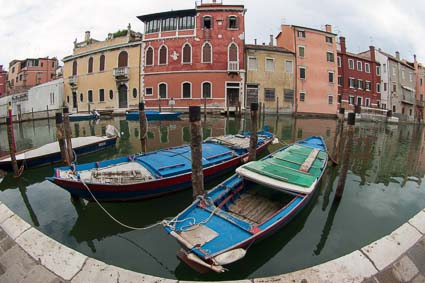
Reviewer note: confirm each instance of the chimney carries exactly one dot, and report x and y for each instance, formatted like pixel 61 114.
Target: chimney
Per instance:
pixel 255 41
pixel 342 43
pixel 271 40
pixel 328 28
pixel 87 36
pixel 372 53
pixel 397 55
pixel 414 59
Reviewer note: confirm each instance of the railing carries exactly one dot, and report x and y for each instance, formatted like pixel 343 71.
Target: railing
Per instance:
pixel 120 72
pixel 73 80
pixel 233 66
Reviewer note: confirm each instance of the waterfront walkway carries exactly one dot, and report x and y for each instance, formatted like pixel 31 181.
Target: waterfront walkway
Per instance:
pixel 27 255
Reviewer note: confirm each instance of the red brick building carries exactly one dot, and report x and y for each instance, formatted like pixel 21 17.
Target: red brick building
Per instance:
pixel 189 55
pixel 3 81
pixel 359 78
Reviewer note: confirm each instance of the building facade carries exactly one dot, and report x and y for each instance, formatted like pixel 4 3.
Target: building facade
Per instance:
pixel 316 68
pixel 104 75
pixel 270 77
pixel 420 90
pixel 194 55
pixel 24 74
pixel 3 81
pixel 359 78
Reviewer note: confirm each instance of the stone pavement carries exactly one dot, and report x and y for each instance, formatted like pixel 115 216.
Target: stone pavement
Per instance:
pixel 27 255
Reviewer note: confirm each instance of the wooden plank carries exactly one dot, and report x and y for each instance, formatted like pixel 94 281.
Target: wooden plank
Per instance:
pixel 305 167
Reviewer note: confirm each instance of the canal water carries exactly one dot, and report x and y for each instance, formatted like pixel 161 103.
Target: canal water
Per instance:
pixel 384 188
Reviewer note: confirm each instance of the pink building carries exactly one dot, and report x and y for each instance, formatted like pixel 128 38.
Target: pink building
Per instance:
pixel 316 70
pixel 420 90
pixel 3 81
pixel 195 54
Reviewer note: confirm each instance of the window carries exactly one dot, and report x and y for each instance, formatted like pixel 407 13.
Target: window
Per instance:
pixel 269 94
pixel 394 71
pixel 378 70
pixel 301 51
pixel 149 56
pixel 74 68
pixel 378 88
pixel 367 67
pixel 360 84
pixel 351 82
pixel 207 53
pixel 340 80
pixel 359 66
pixel 206 90
pixel 134 93
pixel 186 22
pixel 102 63
pixel 302 96
pixel 339 61
pixel 232 22
pixel 289 67
pixel 101 95
pixel 301 33
pixel 330 99
pixel 163 55
pixel 41 64
pixel 90 96
pixel 302 73
pixel 367 102
pixel 411 77
pixel 385 68
pixel 331 77
pixel 403 75
pixel 162 90
pixel 329 39
pixel 269 65
pixel 111 94
pixel 252 63
pixel 351 64
pixel 186 90
pixel 394 109
pixel 123 59
pixel 288 95
pixel 53 64
pixel 169 24
pixel 368 86
pixel 385 86
pixel 207 23
pixel 81 97
pixel 351 100
pixel 152 26
pixel 394 88
pixel 330 56
pixel 52 98
pixel 422 82
pixel 187 54
pixel 233 53
pixel 148 91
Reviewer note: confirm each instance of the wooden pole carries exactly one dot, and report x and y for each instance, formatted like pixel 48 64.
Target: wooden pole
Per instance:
pixel 227 106
pixel 264 110
pixel 60 136
pixel 68 133
pixel 159 105
pixel 253 138
pixel 11 139
pixel 259 109
pixel 346 159
pixel 205 109
pixel 47 112
pixel 277 106
pixel 32 113
pixel 196 150
pixel 143 126
pixel 338 134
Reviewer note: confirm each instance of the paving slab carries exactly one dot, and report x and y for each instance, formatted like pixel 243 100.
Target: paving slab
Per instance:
pixel 15 264
pixel 56 257
pixel 5 213
pixel 417 255
pixel 388 249
pixel 14 226
pixel 418 279
pixel 405 269
pixel 39 274
pixel 387 276
pixel 354 267
pixel 418 221
pixel 128 276
pixel 96 271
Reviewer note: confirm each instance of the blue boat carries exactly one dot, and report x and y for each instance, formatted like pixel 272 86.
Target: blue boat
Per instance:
pixel 153 115
pixel 75 117
pixel 219 227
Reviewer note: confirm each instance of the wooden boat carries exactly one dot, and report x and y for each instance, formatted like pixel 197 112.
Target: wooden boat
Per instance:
pixel 156 173
pixel 152 115
pixel 50 153
pixel 218 228
pixel 75 117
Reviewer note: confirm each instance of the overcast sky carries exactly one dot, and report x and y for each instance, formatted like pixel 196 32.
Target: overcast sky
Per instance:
pixel 35 28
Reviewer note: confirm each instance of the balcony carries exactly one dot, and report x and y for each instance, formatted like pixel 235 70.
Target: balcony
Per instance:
pixel 233 67
pixel 73 80
pixel 420 103
pixel 120 73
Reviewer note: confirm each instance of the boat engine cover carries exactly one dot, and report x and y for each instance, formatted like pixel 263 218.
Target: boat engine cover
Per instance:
pixel 230 256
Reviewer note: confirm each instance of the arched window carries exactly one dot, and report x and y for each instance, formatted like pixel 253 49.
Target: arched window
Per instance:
pixel 111 94
pixel 206 90
pixel 102 63
pixel 187 54
pixel 90 66
pixel 81 97
pixel 74 68
pixel 233 53
pixel 123 59
pixel 162 90
pixel 207 22
pixel 149 56
pixel 186 90
pixel 134 93
pixel 163 55
pixel 207 53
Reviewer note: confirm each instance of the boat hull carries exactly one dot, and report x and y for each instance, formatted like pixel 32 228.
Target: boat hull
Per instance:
pixel 77 118
pixel 134 116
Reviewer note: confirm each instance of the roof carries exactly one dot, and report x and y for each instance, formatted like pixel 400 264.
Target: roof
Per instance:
pixel 315 30
pixel 395 59
pixel 268 48
pixel 169 14
pixel 363 56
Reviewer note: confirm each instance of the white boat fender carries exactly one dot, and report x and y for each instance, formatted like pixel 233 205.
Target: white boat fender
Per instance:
pixel 275 141
pixel 230 256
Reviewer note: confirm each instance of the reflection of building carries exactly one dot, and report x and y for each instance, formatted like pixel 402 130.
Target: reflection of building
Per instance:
pixel 270 76
pixel 194 54
pixel 315 68
pixel 420 89
pixel 104 74
pixel 3 81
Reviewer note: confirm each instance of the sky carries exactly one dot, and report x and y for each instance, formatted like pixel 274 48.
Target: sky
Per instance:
pixel 35 28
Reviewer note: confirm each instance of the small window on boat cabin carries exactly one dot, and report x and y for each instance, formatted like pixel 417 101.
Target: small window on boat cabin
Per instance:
pixel 232 22
pixel 149 91
pixel 207 23
pixel 101 95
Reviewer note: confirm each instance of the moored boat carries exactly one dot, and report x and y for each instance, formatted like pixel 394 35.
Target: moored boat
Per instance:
pixel 219 227
pixel 152 115
pixel 156 173
pixel 75 117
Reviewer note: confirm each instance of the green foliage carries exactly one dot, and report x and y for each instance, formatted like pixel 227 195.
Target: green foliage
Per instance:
pixel 120 33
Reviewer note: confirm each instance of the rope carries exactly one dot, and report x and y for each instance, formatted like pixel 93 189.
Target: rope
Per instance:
pixel 113 218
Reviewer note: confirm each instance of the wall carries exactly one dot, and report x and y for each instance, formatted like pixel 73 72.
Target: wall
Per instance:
pixel 385 73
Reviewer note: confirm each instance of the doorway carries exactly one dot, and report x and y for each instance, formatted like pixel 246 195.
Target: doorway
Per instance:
pixel 122 97
pixel 74 101
pixel 232 93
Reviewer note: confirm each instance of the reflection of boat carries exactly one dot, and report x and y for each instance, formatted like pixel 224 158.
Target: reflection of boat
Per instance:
pixel 156 173
pixel 50 153
pixel 153 115
pixel 248 206
pixel 74 117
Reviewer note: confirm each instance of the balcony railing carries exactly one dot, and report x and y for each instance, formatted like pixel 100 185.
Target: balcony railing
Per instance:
pixel 233 66
pixel 120 73
pixel 73 80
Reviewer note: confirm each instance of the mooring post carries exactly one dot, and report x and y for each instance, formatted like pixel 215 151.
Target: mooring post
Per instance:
pixel 205 109
pixel 351 121
pixel 61 139
pixel 253 138
pixel 227 111
pixel 196 150
pixel 264 110
pixel 68 133
pixel 32 113
pixel 338 134
pixel 11 139
pixel 159 105
pixel 259 109
pixel 143 126
pixel 277 106
pixel 47 112
pixel 88 106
